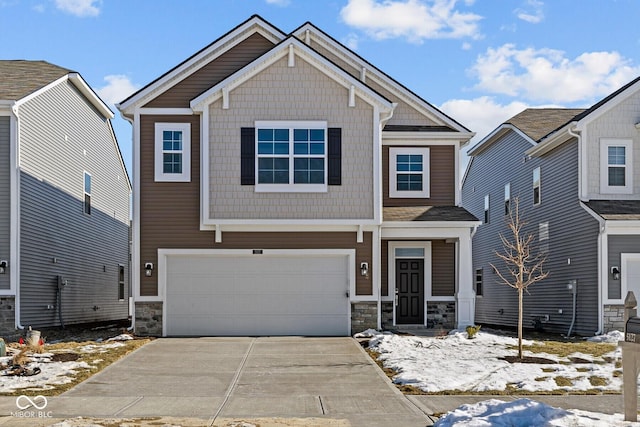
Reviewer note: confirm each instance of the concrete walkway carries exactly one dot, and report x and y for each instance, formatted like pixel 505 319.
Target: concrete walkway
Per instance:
pixel 220 378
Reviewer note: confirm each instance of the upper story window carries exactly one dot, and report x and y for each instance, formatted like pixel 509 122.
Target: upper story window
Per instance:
pixel 536 186
pixel 291 156
pixel 616 175
pixel 486 209
pixel 173 152
pixel 87 193
pixel 408 172
pixel 507 198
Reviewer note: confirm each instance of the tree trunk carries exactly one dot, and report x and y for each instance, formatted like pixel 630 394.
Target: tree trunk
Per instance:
pixel 520 292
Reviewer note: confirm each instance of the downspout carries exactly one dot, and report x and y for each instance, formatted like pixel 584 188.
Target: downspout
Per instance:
pixel 133 260
pixel 15 189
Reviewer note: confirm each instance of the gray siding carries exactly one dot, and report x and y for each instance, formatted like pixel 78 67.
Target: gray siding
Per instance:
pixel 618 245
pixel 5 196
pixel 61 137
pixel 572 235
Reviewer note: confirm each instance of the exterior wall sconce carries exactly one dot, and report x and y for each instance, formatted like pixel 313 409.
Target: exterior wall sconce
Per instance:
pixel 3 266
pixel 364 269
pixel 148 269
pixel 615 273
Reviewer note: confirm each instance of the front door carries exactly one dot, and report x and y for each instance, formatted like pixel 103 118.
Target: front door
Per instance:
pixel 410 291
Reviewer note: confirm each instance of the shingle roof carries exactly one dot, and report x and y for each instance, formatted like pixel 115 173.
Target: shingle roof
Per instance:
pixel 19 78
pixel 417 128
pixel 616 209
pixel 537 123
pixel 427 213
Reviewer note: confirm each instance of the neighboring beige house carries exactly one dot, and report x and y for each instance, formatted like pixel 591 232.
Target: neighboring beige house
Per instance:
pixel 286 186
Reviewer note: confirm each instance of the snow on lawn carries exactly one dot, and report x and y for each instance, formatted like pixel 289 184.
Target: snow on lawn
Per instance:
pixel 50 373
pixel 525 412
pixel 454 362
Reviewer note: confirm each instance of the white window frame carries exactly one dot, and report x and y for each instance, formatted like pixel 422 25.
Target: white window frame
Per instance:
pixel 291 187
pixel 605 188
pixel 537 185
pixel 487 206
pixel 86 193
pixel 185 176
pixel 393 154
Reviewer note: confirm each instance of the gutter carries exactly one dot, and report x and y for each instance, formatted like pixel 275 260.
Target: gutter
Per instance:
pixel 602 233
pixel 133 238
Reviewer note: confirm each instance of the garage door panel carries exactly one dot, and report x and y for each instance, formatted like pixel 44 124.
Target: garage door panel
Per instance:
pixel 257 295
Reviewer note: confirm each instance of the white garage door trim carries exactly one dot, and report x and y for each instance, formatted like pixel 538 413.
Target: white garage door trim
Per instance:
pixel 163 254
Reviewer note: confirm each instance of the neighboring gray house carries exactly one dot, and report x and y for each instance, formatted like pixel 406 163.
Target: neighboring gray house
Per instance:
pixel 577 177
pixel 64 201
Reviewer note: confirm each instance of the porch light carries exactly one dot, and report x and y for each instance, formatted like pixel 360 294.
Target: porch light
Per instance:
pixel 364 269
pixel 3 266
pixel 615 273
pixel 148 269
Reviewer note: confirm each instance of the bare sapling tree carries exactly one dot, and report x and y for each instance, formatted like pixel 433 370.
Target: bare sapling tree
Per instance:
pixel 523 264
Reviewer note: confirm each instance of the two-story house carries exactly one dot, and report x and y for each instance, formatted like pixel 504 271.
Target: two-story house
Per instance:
pixel 64 201
pixel 284 185
pixel 575 175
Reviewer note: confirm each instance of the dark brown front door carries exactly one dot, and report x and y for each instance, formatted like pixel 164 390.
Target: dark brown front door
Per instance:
pixel 410 291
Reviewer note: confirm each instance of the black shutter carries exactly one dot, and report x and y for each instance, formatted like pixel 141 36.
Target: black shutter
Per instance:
pixel 334 139
pixel 247 156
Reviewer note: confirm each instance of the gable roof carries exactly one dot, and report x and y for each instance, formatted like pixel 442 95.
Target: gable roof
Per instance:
pixel 20 78
pixel 533 124
pixel 200 58
pixel 422 104
pixel 604 101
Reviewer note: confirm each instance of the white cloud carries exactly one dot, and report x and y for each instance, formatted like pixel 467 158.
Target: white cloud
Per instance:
pixel 351 41
pixel 279 2
pixel 118 88
pixel 39 8
pixel 415 20
pixel 532 12
pixel 547 75
pixel 481 115
pixel 80 8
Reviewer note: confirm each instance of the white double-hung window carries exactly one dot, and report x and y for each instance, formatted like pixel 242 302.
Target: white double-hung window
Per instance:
pixel 409 172
pixel 616 174
pixel 173 152
pixel 291 156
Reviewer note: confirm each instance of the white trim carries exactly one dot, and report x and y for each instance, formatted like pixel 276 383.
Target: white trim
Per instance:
pixel 164 253
pixel 625 258
pixel 423 138
pixel 14 214
pixel 205 207
pixel 202 58
pixel 289 224
pixel 605 188
pixel 391 268
pixel 135 222
pixel 159 175
pixel 321 63
pixel 394 152
pixel 496 135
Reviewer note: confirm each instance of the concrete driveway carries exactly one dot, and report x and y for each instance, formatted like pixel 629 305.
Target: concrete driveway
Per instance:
pixel 219 378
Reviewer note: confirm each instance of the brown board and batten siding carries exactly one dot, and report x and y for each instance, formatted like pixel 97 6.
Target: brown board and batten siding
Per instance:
pixel 441 178
pixel 226 64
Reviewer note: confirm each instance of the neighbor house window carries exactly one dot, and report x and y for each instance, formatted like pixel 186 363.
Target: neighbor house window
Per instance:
pixel 291 156
pixel 486 209
pixel 616 170
pixel 121 281
pixel 173 152
pixel 409 172
pixel 507 198
pixel 536 186
pixel 479 289
pixel 543 237
pixel 87 193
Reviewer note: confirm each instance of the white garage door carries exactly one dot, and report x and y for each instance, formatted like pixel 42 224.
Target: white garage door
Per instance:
pixel 252 295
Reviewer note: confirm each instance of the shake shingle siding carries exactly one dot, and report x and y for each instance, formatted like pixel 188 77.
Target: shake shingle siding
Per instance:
pixel 5 196
pixel 62 136
pixel 572 244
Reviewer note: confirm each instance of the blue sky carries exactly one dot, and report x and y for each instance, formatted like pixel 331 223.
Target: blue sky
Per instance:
pixel 480 61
